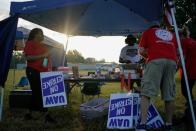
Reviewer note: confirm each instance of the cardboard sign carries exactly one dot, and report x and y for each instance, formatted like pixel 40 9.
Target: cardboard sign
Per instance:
pixel 154 120
pixel 53 89
pixel 123 111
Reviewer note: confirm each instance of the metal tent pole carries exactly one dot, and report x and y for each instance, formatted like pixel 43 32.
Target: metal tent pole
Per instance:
pixel 170 2
pixel 14 71
pixel 67 42
pixel 1 102
pixel 65 50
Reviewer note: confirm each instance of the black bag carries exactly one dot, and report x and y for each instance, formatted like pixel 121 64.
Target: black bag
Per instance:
pixel 91 88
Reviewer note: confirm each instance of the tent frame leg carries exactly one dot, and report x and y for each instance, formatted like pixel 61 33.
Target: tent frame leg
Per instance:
pixel 1 101
pixel 170 2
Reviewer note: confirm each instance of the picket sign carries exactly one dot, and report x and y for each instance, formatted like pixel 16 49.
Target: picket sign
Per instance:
pixel 53 89
pixel 154 119
pixel 124 112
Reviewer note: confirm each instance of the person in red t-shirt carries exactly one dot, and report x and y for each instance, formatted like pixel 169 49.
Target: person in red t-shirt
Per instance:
pixel 35 53
pixel 189 50
pixel 158 46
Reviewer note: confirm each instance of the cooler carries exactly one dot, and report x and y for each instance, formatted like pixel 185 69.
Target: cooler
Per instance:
pixel 20 98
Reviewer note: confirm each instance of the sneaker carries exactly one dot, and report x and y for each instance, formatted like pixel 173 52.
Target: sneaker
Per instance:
pixel 49 119
pixel 141 127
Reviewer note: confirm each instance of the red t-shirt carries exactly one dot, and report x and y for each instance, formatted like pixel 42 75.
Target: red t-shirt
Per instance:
pixel 189 50
pixel 159 43
pixel 32 48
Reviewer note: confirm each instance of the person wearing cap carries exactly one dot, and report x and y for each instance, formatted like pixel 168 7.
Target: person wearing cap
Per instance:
pixel 129 53
pixel 129 56
pixel 158 46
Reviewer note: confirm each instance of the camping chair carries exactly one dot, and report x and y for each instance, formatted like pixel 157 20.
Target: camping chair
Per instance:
pixel 23 82
pixel 90 89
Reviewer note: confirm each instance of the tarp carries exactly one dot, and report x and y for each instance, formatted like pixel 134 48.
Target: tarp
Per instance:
pixel 19 35
pixel 91 17
pixel 7 36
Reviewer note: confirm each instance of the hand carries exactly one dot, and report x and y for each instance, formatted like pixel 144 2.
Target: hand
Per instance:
pixel 45 54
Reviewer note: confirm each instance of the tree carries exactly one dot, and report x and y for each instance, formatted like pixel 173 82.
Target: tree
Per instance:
pixel 186 15
pixel 185 10
pixel 90 60
pixel 17 58
pixel 101 61
pixel 73 56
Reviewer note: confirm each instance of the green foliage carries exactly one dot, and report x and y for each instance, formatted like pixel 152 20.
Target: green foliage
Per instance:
pixel 191 24
pixel 101 61
pixel 90 60
pixel 185 9
pixel 73 56
pixel 17 58
pixel 186 15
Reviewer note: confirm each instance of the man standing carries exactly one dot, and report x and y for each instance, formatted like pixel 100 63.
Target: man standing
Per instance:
pixel 130 56
pixel 158 46
pixel 129 53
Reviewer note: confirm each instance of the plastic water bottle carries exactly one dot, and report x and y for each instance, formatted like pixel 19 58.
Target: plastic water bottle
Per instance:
pixel 45 62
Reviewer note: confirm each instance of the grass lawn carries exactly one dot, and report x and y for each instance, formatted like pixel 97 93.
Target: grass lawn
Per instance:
pixel 68 117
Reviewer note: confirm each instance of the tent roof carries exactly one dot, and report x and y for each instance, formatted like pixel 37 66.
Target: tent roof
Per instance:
pixel 91 17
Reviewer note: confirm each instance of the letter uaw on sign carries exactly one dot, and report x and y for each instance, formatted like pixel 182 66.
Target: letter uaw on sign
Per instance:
pixel 53 89
pixel 154 119
pixel 123 111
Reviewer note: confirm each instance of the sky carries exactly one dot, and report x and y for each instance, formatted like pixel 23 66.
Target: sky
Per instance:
pixel 105 47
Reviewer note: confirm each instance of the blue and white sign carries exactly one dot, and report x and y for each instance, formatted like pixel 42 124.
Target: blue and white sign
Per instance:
pixel 123 111
pixel 53 89
pixel 154 119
